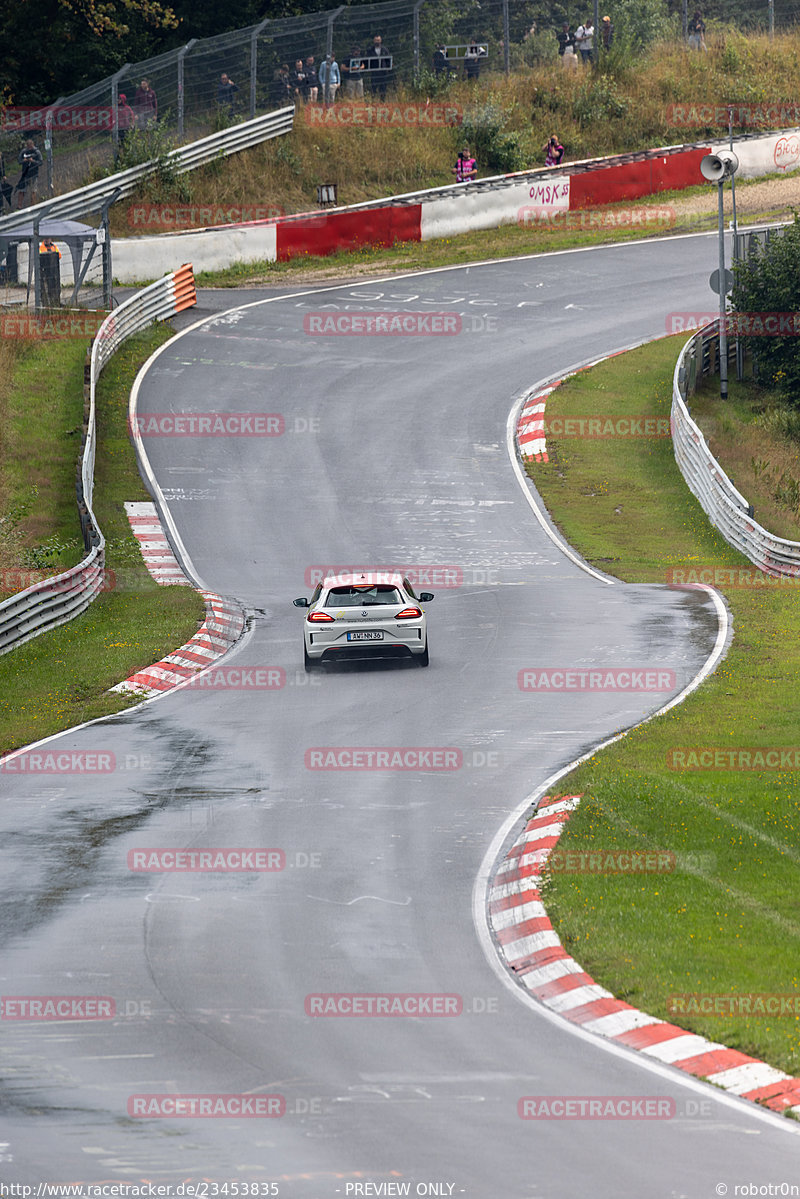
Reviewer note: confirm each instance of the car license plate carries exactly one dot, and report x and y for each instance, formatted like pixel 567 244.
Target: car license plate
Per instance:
pixel 365 636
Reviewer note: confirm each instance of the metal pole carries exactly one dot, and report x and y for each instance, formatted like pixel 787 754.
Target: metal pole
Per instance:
pixel 417 7
pixel 115 107
pixel 685 20
pixel 37 273
pixel 596 38
pixel 254 65
pixel 48 144
pixel 506 48
pixel 184 50
pixel 733 176
pixel 107 269
pixel 723 333
pixel 771 18
pixel 329 54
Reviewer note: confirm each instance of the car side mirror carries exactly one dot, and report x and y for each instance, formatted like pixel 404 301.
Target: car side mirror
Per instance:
pixel 302 602
pixel 426 597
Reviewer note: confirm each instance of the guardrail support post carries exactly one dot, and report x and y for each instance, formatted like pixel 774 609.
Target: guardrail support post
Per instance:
pixel 254 65
pixel 184 50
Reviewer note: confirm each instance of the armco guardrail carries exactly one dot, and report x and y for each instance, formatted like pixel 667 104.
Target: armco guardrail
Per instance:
pixel 726 508
pixel 92 197
pixel 57 600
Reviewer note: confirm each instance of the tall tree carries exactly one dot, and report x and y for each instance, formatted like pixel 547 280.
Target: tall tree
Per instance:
pixel 56 47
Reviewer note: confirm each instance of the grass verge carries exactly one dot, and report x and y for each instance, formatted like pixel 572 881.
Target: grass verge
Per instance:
pixel 41 405
pixel 61 678
pixel 726 921
pixel 756 441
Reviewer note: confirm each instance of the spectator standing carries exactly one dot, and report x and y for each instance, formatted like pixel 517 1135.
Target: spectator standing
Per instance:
pixel 30 159
pixel 465 168
pixel 353 72
pixel 566 38
pixel 584 39
pixel 472 59
pixel 696 30
pixel 329 78
pixel 6 190
pixel 126 118
pixel 607 32
pixel 312 82
pixel 282 85
pixel 299 82
pixel 441 63
pixel 553 151
pixel 380 75
pixel 145 105
pixel 226 93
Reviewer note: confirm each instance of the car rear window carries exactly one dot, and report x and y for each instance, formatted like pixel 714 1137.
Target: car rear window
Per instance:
pixel 359 597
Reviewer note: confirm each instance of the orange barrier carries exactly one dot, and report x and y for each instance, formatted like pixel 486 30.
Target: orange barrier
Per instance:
pixel 185 291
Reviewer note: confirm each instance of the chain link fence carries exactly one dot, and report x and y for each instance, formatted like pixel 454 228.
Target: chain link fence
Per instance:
pixel 211 83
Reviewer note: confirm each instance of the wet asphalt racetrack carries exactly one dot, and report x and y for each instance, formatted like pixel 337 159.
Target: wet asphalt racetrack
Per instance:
pixel 394 451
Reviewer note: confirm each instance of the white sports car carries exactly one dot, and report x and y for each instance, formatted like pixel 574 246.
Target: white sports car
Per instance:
pixel 364 616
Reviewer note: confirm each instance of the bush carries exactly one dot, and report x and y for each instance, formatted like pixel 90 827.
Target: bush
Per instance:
pixel 769 281
pixel 154 144
pixel 483 130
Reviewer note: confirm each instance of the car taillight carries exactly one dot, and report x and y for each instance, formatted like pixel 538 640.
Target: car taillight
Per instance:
pixel 409 614
pixel 318 617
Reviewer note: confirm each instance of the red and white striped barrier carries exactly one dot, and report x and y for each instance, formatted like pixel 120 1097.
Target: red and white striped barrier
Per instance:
pixel 446 212
pixel 221 629
pixel 530 427
pixel 532 948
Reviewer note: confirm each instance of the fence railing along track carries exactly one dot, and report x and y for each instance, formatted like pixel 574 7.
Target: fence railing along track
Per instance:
pixel 56 600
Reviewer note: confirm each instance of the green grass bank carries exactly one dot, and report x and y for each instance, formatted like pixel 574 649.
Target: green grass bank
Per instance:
pixel 726 921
